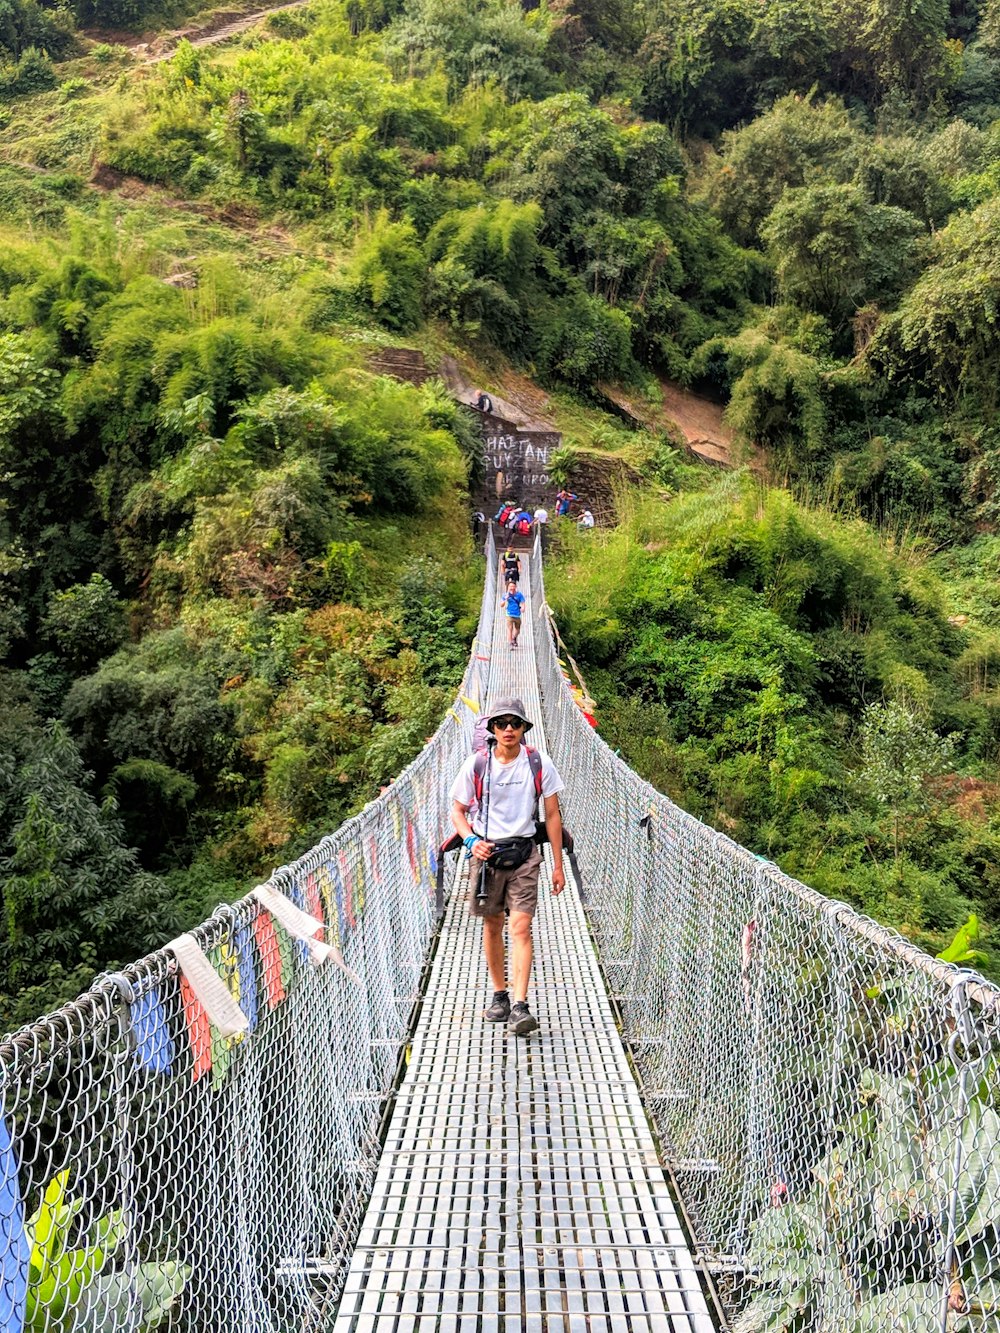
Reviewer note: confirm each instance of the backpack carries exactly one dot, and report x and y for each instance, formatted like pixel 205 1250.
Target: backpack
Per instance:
pixel 523 526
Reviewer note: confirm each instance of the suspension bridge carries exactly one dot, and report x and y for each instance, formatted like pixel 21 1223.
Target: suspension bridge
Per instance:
pixel 747 1104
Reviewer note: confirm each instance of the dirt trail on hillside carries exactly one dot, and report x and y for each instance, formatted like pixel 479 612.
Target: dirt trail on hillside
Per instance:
pixel 700 421
pixel 151 48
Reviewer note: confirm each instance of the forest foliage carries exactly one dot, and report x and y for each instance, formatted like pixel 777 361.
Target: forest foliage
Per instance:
pixel 235 584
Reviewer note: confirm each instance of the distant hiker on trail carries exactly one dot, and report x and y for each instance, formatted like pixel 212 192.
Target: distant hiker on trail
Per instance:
pixel 563 501
pixel 514 602
pixel 511 567
pixel 483 402
pixel 541 517
pixel 586 520
pixel 504 860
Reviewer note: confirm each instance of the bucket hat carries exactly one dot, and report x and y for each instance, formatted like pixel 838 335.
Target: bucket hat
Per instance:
pixel 503 706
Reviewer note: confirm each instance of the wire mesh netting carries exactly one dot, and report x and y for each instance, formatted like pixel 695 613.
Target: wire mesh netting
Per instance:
pixel 156 1173
pixel 826 1094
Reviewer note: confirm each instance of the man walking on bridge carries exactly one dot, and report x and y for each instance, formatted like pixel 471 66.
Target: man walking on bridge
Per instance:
pixel 502 789
pixel 514 605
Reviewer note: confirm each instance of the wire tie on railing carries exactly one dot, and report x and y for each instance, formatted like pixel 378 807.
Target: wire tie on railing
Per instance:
pixel 960 1009
pixel 211 991
pixel 300 925
pixel 832 907
pixel 114 981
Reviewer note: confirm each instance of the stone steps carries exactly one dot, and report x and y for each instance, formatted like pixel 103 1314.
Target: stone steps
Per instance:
pixel 402 363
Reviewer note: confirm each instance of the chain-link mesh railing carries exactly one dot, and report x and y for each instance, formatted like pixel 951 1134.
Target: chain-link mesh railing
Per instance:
pixel 826 1094
pixel 156 1173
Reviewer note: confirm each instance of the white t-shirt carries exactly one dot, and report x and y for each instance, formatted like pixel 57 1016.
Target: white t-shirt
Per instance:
pixel 586 519
pixel 512 800
pixel 541 516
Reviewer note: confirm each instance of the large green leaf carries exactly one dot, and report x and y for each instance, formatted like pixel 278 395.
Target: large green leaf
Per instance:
pixel 979 1175
pixel 787 1244
pixel 58 1275
pixel 773 1312
pixel 110 1304
pixel 915 1308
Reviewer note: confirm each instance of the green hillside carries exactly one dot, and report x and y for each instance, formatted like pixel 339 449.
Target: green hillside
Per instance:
pixel 237 586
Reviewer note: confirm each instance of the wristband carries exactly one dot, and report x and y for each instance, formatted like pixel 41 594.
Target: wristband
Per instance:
pixel 470 841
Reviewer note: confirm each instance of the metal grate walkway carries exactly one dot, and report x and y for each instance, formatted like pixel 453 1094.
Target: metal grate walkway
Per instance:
pixel 519 1186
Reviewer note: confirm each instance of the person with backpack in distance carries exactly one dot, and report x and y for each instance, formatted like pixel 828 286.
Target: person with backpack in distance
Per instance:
pixel 514 602
pixel 511 567
pixel 500 788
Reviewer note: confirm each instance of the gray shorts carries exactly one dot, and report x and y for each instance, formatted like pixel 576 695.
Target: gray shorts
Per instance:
pixel 513 890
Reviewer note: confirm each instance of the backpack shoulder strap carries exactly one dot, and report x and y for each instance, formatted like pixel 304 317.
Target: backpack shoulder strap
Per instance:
pixel 478 773
pixel 535 763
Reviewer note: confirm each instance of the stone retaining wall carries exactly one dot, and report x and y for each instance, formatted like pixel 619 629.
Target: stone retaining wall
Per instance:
pixel 516 463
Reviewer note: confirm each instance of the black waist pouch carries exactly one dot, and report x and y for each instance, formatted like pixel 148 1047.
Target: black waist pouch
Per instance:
pixel 509 853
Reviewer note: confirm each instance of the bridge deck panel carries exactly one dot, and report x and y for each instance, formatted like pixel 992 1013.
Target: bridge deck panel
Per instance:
pixel 519 1187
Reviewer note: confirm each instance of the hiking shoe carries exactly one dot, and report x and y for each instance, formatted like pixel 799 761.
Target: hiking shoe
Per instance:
pixel 521 1020
pixel 499 1009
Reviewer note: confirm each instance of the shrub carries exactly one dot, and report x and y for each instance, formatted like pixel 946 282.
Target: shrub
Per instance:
pixel 86 622
pixel 105 52
pixel 32 73
pixel 72 88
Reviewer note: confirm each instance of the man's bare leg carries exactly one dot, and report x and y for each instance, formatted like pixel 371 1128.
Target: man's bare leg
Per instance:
pixel 494 950
pixel 521 955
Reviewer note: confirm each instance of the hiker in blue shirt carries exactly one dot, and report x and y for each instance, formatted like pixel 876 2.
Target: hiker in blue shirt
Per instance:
pixel 514 602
